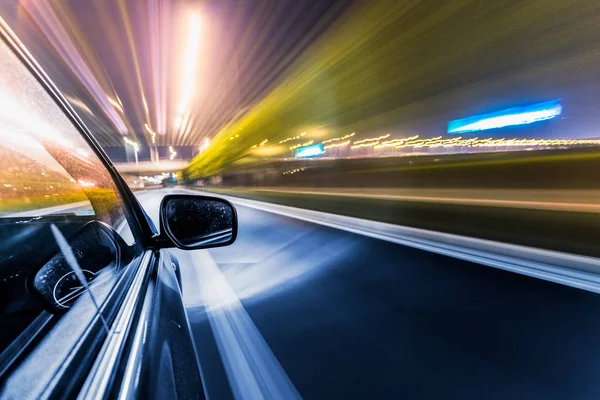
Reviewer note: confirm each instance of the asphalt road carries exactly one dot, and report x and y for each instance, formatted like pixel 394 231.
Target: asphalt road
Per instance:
pixel 301 307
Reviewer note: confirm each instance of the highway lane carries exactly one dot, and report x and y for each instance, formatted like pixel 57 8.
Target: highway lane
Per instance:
pixel 338 314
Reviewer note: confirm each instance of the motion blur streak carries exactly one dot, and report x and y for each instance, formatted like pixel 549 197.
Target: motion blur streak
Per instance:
pixel 189 72
pixel 47 20
pixel 184 68
pixel 252 369
pixel 408 68
pixel 158 11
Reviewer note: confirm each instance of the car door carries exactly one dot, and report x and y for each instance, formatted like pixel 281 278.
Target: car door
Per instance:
pixel 89 304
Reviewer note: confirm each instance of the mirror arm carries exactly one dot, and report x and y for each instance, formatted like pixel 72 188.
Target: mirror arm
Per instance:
pixel 161 241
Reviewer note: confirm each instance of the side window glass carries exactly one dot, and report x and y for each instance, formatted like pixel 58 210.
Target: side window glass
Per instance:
pixel 62 221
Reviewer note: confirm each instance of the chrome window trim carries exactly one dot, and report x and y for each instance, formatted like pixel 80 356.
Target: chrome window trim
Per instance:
pixel 97 385
pixel 130 378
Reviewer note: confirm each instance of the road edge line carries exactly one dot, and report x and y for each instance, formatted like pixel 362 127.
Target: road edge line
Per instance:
pixel 573 270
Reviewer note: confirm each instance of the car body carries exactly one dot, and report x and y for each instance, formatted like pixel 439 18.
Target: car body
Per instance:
pixel 91 301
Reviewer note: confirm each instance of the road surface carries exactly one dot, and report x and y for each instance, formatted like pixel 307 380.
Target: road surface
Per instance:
pixel 299 309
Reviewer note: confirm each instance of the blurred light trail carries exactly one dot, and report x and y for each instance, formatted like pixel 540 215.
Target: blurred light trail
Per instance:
pixel 189 71
pixel 375 139
pixel 396 142
pixel 173 153
pixel 205 145
pixel 261 144
pixel 79 104
pixel 292 138
pixel 336 145
pixel 138 54
pixel 85 183
pixel 135 146
pixel 460 145
pixel 337 139
pixel 350 80
pixel 490 142
pixel 512 116
pixel 310 151
pixel 302 145
pixel 49 23
pixel 136 149
pixel 116 104
pixel 151 132
pixel 293 171
pixel 159 37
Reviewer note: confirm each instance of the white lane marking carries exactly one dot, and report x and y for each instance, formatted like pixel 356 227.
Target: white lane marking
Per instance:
pixel 252 369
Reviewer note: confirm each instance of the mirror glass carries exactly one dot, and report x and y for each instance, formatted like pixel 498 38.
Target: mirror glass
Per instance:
pixel 198 221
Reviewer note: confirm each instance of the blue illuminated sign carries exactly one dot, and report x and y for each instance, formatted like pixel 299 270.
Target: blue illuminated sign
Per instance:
pixel 510 117
pixel 309 151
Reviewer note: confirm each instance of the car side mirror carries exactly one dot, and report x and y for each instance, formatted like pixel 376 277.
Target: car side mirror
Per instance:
pixel 198 222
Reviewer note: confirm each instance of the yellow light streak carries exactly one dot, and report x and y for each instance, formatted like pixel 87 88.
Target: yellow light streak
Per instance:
pixel 334 145
pixel 358 142
pixel 302 145
pixel 292 138
pixel 338 139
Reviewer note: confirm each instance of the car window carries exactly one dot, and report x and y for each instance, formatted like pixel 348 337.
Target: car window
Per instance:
pixel 56 199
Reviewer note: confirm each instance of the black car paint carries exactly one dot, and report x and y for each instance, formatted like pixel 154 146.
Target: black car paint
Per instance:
pixel 170 365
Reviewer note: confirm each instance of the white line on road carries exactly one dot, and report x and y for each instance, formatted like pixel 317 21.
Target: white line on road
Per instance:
pixel 566 269
pixel 252 369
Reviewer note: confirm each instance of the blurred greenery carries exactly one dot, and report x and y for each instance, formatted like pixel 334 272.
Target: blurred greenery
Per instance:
pixel 38 201
pixel 388 65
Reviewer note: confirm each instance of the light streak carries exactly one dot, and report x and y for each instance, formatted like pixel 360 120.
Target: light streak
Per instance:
pixel 116 104
pixel 151 133
pixel 338 139
pixel 310 151
pixel 293 171
pixel 302 145
pixel 85 183
pixel 509 117
pixel 173 153
pixel 49 23
pixel 358 142
pixel 136 149
pixel 79 104
pixel 204 146
pixel 135 146
pixel 189 65
pixel 335 145
pixel 292 138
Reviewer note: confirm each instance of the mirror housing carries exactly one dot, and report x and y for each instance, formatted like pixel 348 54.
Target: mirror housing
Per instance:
pixel 198 222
